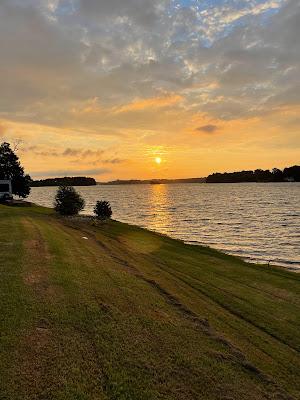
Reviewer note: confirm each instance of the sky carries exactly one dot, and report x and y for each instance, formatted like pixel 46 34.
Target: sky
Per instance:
pixel 104 88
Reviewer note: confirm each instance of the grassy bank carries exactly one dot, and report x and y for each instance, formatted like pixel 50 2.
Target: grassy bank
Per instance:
pixel 117 312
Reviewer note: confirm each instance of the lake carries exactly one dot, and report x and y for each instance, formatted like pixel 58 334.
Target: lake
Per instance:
pixel 258 222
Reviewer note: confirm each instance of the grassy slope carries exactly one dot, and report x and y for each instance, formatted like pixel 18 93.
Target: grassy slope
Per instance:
pixel 128 314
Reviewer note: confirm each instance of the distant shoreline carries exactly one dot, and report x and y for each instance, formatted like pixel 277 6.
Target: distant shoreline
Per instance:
pixel 290 174
pixel 148 183
pixel 152 181
pixel 66 181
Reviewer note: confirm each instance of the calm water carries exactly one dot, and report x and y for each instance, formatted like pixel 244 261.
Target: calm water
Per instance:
pixel 258 222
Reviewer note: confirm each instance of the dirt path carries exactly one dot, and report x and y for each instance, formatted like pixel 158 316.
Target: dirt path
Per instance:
pixel 35 346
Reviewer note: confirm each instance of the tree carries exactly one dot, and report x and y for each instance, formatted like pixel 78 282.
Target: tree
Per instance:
pixel 10 168
pixel 103 210
pixel 277 175
pixel 68 201
pixel 292 173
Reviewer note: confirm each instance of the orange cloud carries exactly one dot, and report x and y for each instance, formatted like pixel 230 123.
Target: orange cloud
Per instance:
pixel 2 129
pixel 154 102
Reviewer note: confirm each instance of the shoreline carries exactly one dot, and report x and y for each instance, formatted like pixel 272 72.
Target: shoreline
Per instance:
pixel 98 223
pixel 258 238
pixel 244 259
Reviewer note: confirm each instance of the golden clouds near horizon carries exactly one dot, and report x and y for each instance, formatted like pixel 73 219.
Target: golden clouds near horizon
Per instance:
pixel 160 152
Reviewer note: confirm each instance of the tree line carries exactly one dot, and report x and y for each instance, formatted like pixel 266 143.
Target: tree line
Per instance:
pixel 291 174
pixel 66 181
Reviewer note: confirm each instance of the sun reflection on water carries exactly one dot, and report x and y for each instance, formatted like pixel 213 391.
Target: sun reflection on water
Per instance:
pixel 160 215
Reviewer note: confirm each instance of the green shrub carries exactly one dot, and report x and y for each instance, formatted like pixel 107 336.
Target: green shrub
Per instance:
pixel 102 210
pixel 68 201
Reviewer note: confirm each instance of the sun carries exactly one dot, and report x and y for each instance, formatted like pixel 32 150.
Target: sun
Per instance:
pixel 158 160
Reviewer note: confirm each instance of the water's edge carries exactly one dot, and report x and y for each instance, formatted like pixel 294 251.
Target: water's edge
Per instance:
pixel 257 222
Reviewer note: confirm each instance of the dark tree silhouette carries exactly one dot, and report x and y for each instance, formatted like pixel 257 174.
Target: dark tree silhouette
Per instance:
pixel 68 201
pixel 292 173
pixel 66 181
pixel 277 175
pixel 103 210
pixel 259 175
pixel 10 168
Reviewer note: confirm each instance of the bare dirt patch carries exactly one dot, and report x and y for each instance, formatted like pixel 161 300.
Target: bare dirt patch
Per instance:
pixel 37 262
pixel 33 360
pixel 37 347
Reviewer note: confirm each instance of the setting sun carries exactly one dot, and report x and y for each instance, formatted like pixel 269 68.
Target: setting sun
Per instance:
pixel 158 160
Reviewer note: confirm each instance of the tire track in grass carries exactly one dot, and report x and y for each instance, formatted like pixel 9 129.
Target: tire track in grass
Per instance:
pixel 54 361
pixel 235 356
pixel 109 383
pixel 280 393
pixel 35 350
pixel 194 283
pixel 201 323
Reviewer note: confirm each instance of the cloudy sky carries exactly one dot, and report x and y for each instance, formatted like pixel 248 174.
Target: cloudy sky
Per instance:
pixel 103 87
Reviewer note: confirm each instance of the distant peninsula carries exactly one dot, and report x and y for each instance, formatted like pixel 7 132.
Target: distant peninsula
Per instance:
pixel 66 181
pixel 152 181
pixel 291 174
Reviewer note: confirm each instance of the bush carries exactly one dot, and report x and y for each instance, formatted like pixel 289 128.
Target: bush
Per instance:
pixel 103 210
pixel 68 201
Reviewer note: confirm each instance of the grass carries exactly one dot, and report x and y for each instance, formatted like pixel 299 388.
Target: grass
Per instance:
pixel 129 314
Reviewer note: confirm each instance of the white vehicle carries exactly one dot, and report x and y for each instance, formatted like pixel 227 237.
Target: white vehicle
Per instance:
pixel 5 190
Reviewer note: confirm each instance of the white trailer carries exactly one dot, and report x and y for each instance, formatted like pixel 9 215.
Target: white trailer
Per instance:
pixel 5 190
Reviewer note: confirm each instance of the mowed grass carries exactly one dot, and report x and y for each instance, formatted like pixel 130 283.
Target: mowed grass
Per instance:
pixel 116 312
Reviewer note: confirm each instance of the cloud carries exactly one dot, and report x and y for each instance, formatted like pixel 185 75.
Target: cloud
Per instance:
pixel 91 153
pixel 138 11
pixel 217 18
pixel 40 151
pixel 152 103
pixel 65 172
pixel 106 67
pixel 208 128
pixel 81 154
pixel 113 161
pixel 71 152
pixel 2 130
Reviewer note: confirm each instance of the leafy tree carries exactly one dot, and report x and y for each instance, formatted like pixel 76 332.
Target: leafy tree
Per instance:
pixel 277 175
pixel 292 173
pixel 10 168
pixel 103 210
pixel 68 201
